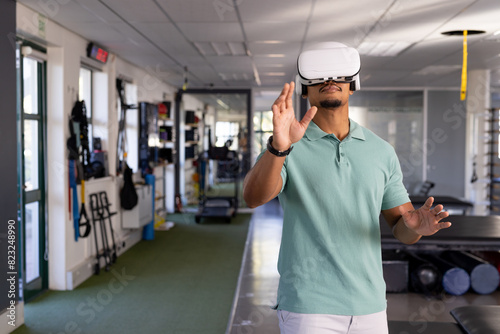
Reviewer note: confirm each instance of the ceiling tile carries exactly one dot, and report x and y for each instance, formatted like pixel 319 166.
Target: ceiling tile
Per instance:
pixel 136 11
pixel 212 31
pixel 281 31
pixel 289 11
pixel 342 13
pixel 200 10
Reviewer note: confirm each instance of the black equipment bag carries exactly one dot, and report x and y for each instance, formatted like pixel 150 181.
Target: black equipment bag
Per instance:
pixel 128 194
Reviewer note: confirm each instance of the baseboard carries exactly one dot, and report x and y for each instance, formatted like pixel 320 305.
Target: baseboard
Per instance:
pixel 18 312
pixel 80 273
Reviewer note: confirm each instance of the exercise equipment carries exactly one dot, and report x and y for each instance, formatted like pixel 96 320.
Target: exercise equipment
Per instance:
pixel 83 220
pixel 478 319
pixel 484 277
pixel 228 170
pixel 467 233
pixel 100 216
pixel 72 185
pixel 122 147
pixel 456 281
pixel 424 276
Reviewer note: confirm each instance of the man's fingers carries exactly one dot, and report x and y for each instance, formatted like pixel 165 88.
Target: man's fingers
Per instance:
pixel 428 203
pixel 308 117
pixel 442 214
pixel 437 209
pixel 443 225
pixel 289 96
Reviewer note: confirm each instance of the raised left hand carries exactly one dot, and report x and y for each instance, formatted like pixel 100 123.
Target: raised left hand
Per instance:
pixel 425 221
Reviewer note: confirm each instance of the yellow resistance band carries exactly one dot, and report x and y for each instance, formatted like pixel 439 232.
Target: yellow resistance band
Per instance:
pixel 463 88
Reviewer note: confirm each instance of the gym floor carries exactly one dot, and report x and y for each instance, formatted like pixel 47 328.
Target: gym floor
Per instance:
pixel 259 282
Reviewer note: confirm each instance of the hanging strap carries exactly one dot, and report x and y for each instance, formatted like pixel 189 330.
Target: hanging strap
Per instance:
pixel 463 88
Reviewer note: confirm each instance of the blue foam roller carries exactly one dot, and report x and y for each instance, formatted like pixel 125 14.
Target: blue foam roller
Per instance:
pixel 484 278
pixel 456 281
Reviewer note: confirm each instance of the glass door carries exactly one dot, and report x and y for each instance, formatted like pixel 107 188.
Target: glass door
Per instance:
pixel 32 176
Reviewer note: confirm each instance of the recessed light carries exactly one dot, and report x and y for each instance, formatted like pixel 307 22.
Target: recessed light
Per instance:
pixel 461 32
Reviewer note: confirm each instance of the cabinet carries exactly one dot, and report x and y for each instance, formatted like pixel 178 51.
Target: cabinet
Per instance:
pixel 141 214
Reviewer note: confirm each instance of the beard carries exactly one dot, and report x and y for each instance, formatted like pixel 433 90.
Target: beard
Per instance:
pixel 331 104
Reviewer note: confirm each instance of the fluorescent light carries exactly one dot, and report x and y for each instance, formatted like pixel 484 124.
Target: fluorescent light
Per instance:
pixel 382 49
pixel 273 55
pixel 275 74
pixel 222 104
pixel 269 42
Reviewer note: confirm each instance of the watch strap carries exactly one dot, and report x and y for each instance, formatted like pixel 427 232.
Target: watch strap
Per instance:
pixel 274 151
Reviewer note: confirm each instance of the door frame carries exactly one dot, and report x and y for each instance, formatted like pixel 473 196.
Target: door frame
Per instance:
pixel 40 284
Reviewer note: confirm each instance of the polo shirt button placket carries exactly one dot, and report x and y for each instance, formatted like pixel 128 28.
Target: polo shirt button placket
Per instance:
pixel 341 154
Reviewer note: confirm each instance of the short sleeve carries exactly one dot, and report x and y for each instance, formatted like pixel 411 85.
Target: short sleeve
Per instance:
pixel 395 193
pixel 283 171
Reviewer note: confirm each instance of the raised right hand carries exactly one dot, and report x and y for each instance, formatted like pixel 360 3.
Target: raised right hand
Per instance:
pixel 286 129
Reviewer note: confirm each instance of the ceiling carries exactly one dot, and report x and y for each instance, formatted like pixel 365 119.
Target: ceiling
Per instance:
pixel 255 43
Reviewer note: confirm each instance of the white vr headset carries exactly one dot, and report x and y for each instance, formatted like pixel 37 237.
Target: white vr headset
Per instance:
pixel 331 61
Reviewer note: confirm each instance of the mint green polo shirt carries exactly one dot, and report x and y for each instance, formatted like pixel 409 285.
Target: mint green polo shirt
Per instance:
pixel 333 192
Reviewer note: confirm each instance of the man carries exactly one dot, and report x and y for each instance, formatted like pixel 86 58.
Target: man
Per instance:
pixel 333 187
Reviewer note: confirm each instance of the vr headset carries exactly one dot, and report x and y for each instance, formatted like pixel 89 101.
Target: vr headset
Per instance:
pixel 331 61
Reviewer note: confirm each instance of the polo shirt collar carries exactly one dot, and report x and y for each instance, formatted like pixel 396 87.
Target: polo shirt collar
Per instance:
pixel 313 131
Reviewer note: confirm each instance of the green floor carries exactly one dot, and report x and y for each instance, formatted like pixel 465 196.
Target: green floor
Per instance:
pixel 181 282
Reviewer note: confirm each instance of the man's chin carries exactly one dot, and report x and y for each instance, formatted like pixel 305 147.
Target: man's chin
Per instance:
pixel 330 104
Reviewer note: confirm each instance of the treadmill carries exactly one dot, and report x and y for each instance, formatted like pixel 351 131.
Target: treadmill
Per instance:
pixel 228 170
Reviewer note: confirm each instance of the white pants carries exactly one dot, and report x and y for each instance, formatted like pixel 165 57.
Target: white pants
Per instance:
pixel 300 323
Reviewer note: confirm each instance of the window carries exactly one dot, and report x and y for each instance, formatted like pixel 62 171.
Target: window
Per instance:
pixel 85 94
pixel 263 129
pixel 225 131
pixel 128 148
pixel 397 117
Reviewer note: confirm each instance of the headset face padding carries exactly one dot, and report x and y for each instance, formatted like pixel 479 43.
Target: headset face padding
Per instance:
pixel 301 89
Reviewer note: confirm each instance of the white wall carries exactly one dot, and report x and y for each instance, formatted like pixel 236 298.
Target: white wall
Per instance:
pixel 65 52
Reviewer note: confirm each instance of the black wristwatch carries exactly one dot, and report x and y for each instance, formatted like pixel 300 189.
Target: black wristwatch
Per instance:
pixel 274 151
